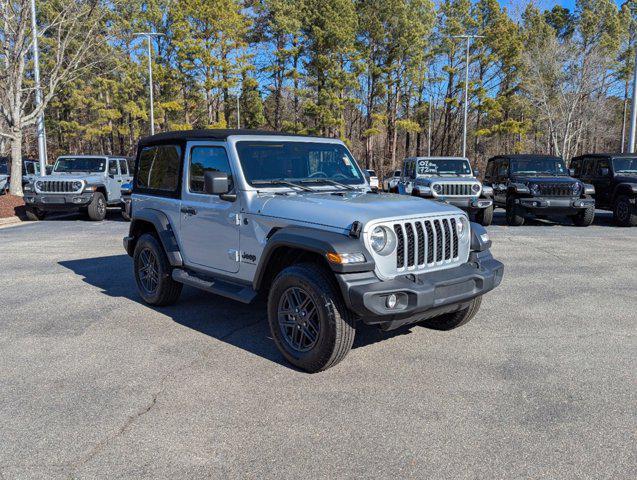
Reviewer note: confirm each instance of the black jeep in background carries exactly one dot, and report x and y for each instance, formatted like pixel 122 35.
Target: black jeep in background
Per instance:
pixel 615 181
pixel 538 185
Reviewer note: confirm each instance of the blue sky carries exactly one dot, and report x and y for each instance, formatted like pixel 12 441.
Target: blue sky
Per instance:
pixel 546 4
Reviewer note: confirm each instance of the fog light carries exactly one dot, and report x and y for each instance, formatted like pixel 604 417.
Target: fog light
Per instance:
pixel 391 301
pixel 77 200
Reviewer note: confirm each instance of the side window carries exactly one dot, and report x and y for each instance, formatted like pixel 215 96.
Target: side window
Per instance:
pixel 123 167
pixel 489 171
pixel 207 159
pixel 112 167
pixel 503 168
pixel 158 168
pixel 601 164
pixel 587 167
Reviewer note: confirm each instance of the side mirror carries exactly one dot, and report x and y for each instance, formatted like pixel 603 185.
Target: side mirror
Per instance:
pixel 604 172
pixel 110 175
pixel 218 183
pixel 476 173
pixel 571 172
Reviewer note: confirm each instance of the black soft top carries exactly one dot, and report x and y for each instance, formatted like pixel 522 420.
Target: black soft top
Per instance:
pixel 211 134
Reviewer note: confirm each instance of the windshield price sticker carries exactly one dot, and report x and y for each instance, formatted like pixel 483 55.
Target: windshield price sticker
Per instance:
pixel 425 166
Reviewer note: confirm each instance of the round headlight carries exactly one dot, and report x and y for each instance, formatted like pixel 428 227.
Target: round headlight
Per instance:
pixel 39 185
pixel 462 226
pixel 577 188
pixel 77 185
pixel 475 187
pixel 534 188
pixel 378 239
pixel 437 187
pixel 382 240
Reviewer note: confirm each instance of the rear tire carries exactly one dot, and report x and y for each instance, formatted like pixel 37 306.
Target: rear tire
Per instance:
pixel 514 217
pixel 309 323
pixel 97 208
pixel 622 212
pixel 35 214
pixel 153 273
pixel 449 321
pixel 485 216
pixel 584 218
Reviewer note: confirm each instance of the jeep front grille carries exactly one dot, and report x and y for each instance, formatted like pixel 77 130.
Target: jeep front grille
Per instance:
pixel 425 243
pixel 456 189
pixel 556 189
pixel 57 186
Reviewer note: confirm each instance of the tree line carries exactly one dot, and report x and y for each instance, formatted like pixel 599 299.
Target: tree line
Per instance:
pixel 386 76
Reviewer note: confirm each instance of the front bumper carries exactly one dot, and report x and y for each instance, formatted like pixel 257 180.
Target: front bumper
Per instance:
pixel 464 203
pixel 59 201
pixel 420 296
pixel 555 205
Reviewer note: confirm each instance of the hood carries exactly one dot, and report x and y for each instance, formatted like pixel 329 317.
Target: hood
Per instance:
pixel 626 178
pixel 543 179
pixel 89 178
pixel 341 210
pixel 442 180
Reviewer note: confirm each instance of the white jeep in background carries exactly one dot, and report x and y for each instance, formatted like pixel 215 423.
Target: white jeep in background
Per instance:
pixel 238 213
pixel 450 180
pixel 88 183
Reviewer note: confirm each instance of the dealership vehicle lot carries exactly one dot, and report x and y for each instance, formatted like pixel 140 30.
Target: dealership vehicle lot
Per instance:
pixel 94 383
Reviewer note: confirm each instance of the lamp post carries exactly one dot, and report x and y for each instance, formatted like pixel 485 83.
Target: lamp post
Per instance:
pixel 148 36
pixel 466 90
pixel 633 113
pixel 38 93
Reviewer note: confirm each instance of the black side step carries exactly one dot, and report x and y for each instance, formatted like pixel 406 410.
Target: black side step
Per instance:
pixel 241 293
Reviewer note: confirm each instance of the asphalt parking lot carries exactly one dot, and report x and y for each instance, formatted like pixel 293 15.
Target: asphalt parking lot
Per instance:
pixel 95 384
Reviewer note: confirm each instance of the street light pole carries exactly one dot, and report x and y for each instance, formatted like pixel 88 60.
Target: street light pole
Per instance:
pixel 466 91
pixel 633 113
pixel 429 129
pixel 38 93
pixel 148 36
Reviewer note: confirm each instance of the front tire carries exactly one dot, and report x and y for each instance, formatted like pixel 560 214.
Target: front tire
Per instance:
pixel 153 273
pixel 585 217
pixel 514 216
pixel 309 323
pixel 34 214
pixel 622 212
pixel 449 321
pixel 97 208
pixel 485 216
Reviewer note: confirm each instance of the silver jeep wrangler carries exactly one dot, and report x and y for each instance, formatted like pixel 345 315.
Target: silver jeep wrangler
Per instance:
pixel 240 212
pixel 88 183
pixel 450 180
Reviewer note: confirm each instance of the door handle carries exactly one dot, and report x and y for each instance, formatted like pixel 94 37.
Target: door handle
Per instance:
pixel 188 211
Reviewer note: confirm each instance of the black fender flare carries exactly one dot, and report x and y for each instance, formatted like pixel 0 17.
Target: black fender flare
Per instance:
pixel 623 189
pixel 317 241
pixel 164 230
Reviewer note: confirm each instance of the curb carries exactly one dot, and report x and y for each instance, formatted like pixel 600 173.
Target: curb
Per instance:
pixel 8 221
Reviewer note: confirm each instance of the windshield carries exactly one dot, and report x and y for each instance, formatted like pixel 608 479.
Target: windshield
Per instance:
pixel 80 164
pixel 539 166
pixel 4 168
pixel 298 162
pixel 31 168
pixel 625 165
pixel 444 167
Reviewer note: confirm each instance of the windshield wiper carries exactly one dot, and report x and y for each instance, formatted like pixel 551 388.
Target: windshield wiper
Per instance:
pixel 329 182
pixel 281 182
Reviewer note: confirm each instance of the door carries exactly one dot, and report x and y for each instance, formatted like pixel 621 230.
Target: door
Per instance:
pixel 209 226
pixel 123 170
pixel 501 182
pixel 601 179
pixel 113 181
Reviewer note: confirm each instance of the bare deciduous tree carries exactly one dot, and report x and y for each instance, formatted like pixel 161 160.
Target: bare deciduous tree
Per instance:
pixel 69 31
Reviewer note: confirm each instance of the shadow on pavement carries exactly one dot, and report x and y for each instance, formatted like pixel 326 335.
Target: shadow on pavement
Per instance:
pixel 209 314
pixel 602 218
